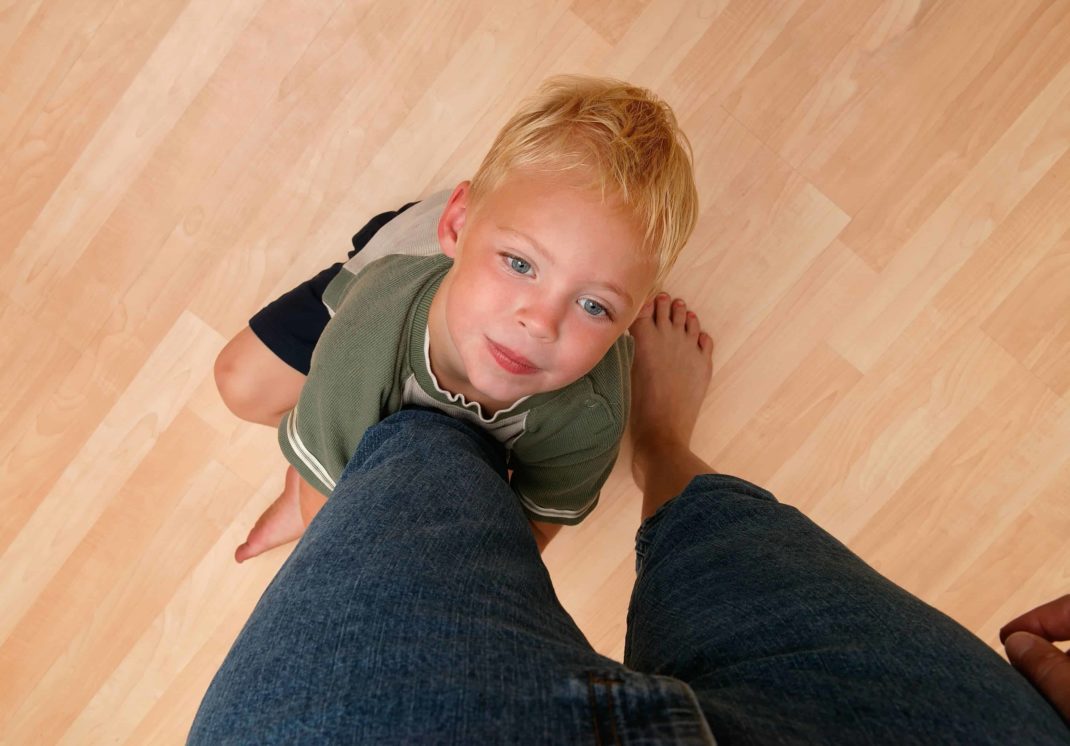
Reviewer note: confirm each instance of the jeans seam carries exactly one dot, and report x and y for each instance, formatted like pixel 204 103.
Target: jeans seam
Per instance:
pixel 593 700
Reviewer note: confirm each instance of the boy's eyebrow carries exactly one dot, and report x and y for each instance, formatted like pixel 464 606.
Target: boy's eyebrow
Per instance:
pixel 535 244
pixel 550 260
pixel 618 290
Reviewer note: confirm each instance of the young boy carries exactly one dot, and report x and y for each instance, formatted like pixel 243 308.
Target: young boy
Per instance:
pixel 505 302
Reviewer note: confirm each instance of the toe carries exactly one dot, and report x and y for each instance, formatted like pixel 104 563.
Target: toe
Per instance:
pixel 705 343
pixel 691 325
pixel 679 312
pixel 661 308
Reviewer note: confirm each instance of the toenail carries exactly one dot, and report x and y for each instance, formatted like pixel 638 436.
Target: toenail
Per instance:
pixel 678 302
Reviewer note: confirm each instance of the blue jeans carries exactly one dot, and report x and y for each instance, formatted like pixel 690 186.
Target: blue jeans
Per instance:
pixel 416 609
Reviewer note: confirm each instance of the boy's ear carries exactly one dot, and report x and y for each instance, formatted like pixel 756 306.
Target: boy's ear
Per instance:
pixel 453 219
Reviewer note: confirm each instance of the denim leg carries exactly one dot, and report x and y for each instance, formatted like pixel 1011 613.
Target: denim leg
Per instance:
pixel 786 636
pixel 416 609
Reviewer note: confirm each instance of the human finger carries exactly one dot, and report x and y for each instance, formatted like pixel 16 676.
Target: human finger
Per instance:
pixel 1046 667
pixel 1050 621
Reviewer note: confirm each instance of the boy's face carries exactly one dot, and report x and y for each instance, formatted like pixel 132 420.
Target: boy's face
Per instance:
pixel 545 279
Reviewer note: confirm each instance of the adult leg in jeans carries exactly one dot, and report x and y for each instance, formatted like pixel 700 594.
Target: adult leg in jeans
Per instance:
pixel 783 634
pixel 416 609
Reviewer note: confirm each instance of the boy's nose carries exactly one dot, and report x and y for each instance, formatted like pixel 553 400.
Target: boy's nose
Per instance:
pixel 540 321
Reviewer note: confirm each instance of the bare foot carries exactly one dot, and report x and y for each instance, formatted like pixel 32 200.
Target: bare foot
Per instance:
pixel 280 524
pixel 671 371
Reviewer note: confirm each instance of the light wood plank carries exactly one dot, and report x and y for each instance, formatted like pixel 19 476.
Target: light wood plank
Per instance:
pixel 123 438
pixel 1033 149
pixel 881 257
pixel 1033 322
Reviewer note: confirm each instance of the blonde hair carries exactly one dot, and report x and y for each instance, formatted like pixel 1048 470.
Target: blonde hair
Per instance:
pixel 625 135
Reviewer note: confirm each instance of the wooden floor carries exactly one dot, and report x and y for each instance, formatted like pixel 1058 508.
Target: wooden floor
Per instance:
pixel 883 258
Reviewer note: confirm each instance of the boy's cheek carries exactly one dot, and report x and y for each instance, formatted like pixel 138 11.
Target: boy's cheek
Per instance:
pixel 588 349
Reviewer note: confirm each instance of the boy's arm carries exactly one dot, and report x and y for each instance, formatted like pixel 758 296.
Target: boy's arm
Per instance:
pixel 543 532
pixel 311 500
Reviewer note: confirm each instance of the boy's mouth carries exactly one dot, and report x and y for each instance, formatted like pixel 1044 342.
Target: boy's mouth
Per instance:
pixel 511 361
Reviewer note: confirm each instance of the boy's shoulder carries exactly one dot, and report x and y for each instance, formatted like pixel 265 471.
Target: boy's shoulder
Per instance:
pixel 589 415
pixel 392 278
pixel 611 378
pixel 413 232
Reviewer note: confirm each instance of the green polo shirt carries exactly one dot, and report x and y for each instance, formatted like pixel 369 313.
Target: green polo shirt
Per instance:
pixel 373 358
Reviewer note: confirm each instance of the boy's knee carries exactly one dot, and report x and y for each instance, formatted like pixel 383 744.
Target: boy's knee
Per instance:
pixel 235 382
pixel 254 382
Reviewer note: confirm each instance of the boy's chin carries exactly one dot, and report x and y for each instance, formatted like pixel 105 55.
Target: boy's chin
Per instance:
pixel 506 395
pixel 504 390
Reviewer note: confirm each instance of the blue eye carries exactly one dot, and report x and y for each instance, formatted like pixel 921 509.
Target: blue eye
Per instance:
pixel 594 309
pixel 518 265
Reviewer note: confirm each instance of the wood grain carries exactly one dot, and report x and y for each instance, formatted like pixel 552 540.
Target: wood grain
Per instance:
pixel 882 256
